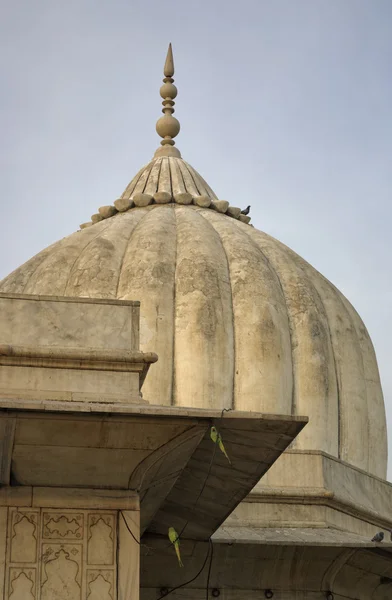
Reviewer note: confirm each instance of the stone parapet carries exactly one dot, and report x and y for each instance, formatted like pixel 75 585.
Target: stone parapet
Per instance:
pixel 51 349
pixel 318 491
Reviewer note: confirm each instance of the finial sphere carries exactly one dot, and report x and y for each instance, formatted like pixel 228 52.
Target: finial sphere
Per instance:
pixel 167 127
pixel 168 90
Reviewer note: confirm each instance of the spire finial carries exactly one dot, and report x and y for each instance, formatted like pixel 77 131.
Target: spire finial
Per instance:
pixel 168 126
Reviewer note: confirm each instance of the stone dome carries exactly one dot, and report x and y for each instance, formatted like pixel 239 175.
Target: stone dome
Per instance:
pixel 238 320
pixel 236 317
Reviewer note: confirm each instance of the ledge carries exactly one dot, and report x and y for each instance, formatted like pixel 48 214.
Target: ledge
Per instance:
pixel 70 299
pixel 164 454
pixel 77 358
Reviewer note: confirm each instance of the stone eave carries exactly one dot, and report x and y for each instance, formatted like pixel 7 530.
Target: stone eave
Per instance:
pixel 162 453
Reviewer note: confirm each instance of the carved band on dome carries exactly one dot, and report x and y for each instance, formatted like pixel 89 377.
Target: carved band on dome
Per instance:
pixel 141 200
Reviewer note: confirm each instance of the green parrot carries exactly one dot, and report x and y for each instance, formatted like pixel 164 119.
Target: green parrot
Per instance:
pixel 175 540
pixel 217 439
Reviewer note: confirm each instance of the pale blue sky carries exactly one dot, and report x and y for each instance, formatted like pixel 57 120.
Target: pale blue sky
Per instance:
pixel 284 105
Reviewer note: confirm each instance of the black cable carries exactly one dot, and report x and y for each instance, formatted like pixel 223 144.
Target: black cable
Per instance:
pixel 198 496
pixel 193 578
pixel 207 476
pixel 209 569
pixel 130 531
pixel 136 540
pixel 201 491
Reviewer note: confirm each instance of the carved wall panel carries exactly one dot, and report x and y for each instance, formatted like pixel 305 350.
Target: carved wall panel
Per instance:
pixel 61 555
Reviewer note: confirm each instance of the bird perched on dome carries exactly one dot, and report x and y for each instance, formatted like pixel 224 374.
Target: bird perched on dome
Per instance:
pixel 378 537
pixel 246 210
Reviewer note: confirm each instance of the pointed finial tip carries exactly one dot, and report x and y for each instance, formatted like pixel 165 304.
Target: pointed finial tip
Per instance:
pixel 167 126
pixel 168 70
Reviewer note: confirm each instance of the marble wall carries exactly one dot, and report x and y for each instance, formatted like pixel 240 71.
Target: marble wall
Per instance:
pixel 60 554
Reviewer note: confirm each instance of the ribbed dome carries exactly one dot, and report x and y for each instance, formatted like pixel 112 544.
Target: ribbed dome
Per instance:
pixel 236 318
pixel 169 176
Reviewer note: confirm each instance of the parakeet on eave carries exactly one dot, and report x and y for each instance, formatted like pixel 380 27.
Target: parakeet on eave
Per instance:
pixel 217 439
pixel 175 540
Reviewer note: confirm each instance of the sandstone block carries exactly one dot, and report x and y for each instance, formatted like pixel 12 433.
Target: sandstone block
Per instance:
pixel 107 211
pixel 123 204
pixel 183 198
pixel 244 219
pixel 142 199
pixel 234 212
pixel 84 225
pixel 203 201
pixel 96 218
pixel 162 197
pixel 220 205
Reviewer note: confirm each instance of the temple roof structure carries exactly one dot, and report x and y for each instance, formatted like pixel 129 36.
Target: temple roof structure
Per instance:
pixel 237 319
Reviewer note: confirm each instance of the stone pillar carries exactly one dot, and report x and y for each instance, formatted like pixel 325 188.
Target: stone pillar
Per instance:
pixel 128 555
pixel 68 544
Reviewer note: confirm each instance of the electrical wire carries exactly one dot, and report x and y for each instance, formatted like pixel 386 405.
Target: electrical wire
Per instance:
pixel 210 549
pixel 129 529
pixel 209 569
pixel 201 491
pixel 207 476
pixel 210 546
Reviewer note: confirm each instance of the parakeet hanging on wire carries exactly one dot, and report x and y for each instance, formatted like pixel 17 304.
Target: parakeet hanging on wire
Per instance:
pixel 175 540
pixel 217 439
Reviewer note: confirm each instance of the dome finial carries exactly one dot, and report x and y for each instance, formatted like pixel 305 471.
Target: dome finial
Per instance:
pixel 168 70
pixel 168 126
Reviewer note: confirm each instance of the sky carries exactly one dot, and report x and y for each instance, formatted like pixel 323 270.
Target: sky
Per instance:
pixel 283 104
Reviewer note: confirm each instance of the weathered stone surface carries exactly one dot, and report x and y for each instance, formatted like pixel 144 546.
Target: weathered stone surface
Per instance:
pixel 46 355
pixel 123 204
pixel 168 174
pixel 155 268
pixel 183 198
pixel 142 199
pixel 75 556
pixel 220 205
pixel 86 498
pixel 3 548
pixel 85 225
pixel 313 489
pixel 51 322
pixel 162 197
pixel 107 211
pixel 233 211
pixel 203 313
pixel 202 201
pixel 96 218
pixel 244 218
pixel 296 316
pixel 295 564
pixel 128 554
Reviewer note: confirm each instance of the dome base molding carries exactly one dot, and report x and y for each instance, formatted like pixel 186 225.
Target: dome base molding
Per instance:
pixel 317 492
